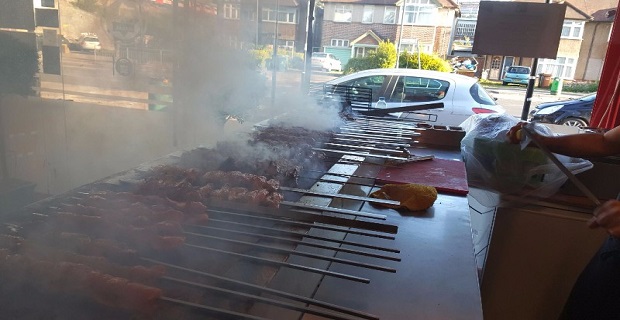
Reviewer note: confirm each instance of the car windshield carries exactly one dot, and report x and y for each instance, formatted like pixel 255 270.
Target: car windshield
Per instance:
pixel 519 70
pixel 319 55
pixel 480 95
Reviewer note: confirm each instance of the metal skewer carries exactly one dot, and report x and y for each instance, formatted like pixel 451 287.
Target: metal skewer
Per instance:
pixel 341 196
pixel 302 235
pixel 267 290
pixel 298 242
pixel 294 252
pixel 272 302
pixel 237 315
pixel 303 224
pixel 282 264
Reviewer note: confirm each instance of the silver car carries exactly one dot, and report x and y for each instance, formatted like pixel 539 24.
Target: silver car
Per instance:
pixel 461 96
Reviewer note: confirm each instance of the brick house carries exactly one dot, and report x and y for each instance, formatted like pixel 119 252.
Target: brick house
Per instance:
pixel 582 48
pixel 352 28
pixel 242 25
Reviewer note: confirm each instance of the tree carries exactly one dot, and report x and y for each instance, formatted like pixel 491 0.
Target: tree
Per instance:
pixel 428 62
pixel 19 62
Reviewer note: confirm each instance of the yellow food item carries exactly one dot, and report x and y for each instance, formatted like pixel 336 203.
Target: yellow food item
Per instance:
pixel 412 196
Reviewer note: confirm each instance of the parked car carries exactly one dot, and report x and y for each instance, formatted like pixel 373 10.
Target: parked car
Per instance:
pixel 572 112
pixel 517 75
pixel 326 61
pixel 462 96
pixel 89 41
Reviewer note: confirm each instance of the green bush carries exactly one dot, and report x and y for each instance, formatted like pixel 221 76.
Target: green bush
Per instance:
pixel 428 62
pixel 383 57
pixel 580 87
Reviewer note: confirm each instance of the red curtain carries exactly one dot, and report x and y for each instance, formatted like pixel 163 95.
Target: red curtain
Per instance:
pixel 606 111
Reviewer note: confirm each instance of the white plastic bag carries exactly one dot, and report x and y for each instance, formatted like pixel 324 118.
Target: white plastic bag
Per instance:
pixel 495 164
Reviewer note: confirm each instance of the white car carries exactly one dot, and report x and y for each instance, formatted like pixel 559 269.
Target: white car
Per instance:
pixel 461 96
pixel 326 61
pixel 89 41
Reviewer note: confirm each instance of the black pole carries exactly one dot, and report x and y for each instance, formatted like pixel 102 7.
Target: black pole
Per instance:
pixel 305 83
pixel 530 91
pixel 530 88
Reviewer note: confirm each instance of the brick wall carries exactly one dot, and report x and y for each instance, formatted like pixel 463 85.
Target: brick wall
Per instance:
pixel 350 31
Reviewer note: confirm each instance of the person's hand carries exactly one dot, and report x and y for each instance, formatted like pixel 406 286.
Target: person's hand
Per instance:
pixel 607 216
pixel 515 135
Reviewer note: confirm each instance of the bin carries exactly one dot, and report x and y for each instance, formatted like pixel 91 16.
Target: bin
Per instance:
pixel 556 86
pixel 544 80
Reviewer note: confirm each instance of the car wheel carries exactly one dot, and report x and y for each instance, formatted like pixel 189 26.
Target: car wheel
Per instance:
pixel 504 83
pixel 574 122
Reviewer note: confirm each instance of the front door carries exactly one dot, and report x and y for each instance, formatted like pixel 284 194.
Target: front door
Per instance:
pixel 508 61
pixel 495 69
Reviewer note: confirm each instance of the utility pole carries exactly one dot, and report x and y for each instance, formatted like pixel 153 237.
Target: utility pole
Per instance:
pixel 305 83
pixel 274 58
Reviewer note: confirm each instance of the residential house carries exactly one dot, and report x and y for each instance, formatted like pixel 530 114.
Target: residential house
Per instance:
pixel 254 22
pixel 583 41
pixel 353 28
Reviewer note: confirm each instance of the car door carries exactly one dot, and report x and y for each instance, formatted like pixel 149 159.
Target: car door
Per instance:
pixel 414 90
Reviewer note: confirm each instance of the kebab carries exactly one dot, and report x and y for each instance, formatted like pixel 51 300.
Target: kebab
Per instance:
pixel 80 280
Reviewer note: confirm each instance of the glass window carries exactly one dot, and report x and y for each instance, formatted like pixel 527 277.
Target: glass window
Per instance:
pixel 374 83
pixel 562 67
pixel 285 15
pixel 343 13
pixel 339 43
pixel 389 16
pixel 231 11
pixel 368 14
pixel 419 12
pixel 572 29
pixel 480 95
pixel 418 89
pixel 363 51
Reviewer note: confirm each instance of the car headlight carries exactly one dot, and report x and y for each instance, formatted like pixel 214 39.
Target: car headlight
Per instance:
pixel 548 110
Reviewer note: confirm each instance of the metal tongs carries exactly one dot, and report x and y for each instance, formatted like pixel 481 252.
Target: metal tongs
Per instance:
pixel 529 133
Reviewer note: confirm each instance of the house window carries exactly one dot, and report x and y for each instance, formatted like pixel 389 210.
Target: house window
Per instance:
pixel 562 67
pixel 231 11
pixel 363 51
pixel 343 13
pixel 572 29
pixel 284 15
pixel 419 12
pixel 389 16
pixel 339 43
pixel 368 14
pixel 412 47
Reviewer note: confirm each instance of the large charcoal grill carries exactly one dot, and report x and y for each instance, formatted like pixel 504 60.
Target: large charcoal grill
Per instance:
pixel 264 263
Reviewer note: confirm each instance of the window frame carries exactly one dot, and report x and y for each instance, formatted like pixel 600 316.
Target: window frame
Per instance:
pixel 339 43
pixel 563 67
pixel 571 26
pixel 343 9
pixel 388 10
pixel 290 13
pixel 368 9
pixel 413 9
pixel 231 10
